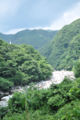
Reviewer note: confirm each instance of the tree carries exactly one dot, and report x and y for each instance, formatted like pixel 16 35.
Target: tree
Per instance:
pixel 77 69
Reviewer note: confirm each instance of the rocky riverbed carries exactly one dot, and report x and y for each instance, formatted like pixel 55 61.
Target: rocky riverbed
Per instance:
pixel 57 77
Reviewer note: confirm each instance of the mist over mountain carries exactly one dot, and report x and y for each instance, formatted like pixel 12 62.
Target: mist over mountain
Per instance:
pixel 36 38
pixel 39 59
pixel 61 48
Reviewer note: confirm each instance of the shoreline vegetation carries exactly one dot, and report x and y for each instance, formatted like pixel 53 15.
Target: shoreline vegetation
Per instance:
pixel 57 102
pixel 21 65
pixel 57 78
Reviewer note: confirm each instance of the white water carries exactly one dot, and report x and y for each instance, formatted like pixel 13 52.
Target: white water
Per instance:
pixel 4 101
pixel 57 77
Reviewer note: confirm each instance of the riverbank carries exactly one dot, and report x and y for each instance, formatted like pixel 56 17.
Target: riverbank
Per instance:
pixel 57 77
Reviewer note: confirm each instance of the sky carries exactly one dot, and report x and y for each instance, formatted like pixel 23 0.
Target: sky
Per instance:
pixel 17 15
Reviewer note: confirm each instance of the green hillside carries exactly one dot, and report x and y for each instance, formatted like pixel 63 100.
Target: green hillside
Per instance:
pixel 21 65
pixel 59 102
pixel 36 38
pixel 64 50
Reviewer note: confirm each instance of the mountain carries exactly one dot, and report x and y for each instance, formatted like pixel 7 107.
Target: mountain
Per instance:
pixel 21 65
pixel 64 49
pixel 36 38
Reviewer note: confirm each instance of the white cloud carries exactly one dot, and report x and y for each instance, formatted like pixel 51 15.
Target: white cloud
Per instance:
pixel 14 31
pixel 8 7
pixel 67 18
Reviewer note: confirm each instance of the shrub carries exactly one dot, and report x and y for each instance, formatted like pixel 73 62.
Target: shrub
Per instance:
pixel 5 85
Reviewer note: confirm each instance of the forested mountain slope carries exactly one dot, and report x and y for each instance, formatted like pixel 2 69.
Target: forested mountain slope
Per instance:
pixel 21 65
pixel 64 50
pixel 36 38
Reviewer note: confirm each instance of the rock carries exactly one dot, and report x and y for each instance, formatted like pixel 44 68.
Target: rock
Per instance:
pixel 4 101
pixel 2 94
pixel 57 77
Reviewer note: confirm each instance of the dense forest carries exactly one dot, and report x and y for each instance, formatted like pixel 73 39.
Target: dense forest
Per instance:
pixel 64 50
pixel 21 65
pixel 59 102
pixel 36 38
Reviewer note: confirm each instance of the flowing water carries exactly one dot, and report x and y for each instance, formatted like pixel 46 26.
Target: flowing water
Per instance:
pixel 57 77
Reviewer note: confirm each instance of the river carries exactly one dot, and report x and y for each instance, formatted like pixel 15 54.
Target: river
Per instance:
pixel 57 77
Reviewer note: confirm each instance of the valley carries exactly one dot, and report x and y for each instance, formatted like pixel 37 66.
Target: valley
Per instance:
pixel 41 82
pixel 36 38
pixel 56 78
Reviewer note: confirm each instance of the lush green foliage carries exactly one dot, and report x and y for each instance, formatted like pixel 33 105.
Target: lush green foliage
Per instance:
pixel 36 38
pixel 76 69
pixel 5 84
pixel 3 112
pixel 17 102
pixel 21 65
pixel 59 102
pixel 64 50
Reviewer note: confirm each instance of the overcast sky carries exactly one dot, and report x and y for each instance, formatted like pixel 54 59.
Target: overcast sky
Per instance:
pixel 17 15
